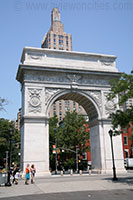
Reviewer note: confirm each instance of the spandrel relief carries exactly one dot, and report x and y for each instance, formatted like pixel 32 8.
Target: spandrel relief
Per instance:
pixel 97 96
pixel 49 92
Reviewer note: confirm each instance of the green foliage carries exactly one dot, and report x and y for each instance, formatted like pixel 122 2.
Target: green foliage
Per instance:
pixel 70 133
pixel 52 125
pixel 122 118
pixel 123 87
pixel 69 163
pixel 5 127
pixel 131 137
pixel 3 102
pixel 73 132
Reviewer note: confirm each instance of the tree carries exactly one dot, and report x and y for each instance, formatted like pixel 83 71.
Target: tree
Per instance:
pixel 123 87
pixel 5 126
pixel 70 134
pixel 73 132
pixel 3 102
pixel 52 137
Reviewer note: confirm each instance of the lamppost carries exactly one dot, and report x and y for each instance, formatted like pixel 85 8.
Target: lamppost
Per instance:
pixel 76 159
pixel 56 151
pixel 114 170
pixel 9 159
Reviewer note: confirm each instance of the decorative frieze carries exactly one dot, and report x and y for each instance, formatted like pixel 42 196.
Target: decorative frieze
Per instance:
pixel 88 81
pixel 66 79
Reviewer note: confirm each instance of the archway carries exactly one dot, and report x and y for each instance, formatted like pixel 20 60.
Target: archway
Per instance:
pixel 48 75
pixel 93 112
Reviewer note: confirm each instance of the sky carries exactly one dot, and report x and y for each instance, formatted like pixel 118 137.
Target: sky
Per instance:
pixel 97 26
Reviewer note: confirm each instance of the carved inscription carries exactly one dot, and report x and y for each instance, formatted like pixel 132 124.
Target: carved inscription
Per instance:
pixel 68 79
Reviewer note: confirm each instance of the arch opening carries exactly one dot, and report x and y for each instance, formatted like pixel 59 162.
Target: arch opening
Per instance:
pixel 86 101
pixel 92 111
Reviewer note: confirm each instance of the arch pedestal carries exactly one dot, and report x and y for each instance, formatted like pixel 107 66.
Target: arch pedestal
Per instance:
pixel 35 144
pixel 47 76
pixel 101 149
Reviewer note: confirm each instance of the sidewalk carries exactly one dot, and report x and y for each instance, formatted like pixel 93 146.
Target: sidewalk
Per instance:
pixel 57 183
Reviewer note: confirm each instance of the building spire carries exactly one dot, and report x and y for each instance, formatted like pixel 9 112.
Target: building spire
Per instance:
pixel 55 15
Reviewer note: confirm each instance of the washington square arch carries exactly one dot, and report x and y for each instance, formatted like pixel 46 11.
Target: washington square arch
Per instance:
pixel 47 76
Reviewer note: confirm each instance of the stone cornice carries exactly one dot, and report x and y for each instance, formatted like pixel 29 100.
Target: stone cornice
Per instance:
pixel 23 68
pixel 61 59
pixel 67 53
pixel 41 59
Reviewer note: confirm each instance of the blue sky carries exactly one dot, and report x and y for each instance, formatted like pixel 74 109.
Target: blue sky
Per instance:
pixel 97 26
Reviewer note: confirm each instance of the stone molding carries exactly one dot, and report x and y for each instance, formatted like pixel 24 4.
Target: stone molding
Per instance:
pixel 36 119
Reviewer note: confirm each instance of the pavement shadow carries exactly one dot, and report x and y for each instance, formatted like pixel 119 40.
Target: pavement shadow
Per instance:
pixel 123 180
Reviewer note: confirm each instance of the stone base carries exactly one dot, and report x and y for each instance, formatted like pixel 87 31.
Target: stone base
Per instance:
pixel 109 171
pixel 38 174
pixel 43 174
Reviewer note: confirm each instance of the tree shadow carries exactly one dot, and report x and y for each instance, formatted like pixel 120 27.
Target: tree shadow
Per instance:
pixel 123 180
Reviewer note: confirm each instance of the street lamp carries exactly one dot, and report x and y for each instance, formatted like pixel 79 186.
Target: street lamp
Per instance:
pixel 9 159
pixel 56 151
pixel 76 159
pixel 114 170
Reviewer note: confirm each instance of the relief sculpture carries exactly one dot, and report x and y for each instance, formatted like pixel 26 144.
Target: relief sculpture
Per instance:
pixel 109 105
pixel 97 96
pixel 34 103
pixel 49 93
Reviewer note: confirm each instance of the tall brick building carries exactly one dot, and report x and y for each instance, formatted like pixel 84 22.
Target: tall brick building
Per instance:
pixel 56 38
pixel 59 108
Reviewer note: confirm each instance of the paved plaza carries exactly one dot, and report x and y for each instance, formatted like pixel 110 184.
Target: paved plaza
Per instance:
pixel 57 185
pixel 79 195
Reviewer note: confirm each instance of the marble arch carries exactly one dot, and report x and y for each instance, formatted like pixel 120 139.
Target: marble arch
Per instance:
pixel 49 75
